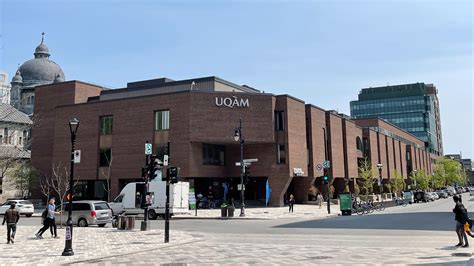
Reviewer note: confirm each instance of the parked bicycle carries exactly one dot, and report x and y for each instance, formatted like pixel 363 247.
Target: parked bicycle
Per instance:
pixel 401 202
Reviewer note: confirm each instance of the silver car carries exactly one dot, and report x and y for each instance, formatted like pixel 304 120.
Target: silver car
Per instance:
pixel 86 212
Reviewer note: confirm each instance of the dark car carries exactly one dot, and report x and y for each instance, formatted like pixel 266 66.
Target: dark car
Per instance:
pixel 422 196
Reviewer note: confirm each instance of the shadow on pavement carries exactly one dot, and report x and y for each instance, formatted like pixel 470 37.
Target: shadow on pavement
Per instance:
pixel 431 221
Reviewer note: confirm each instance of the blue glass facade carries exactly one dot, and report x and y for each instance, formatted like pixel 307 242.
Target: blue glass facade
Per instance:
pixel 412 107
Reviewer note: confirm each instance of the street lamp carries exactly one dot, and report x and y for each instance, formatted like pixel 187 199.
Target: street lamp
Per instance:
pixel 238 136
pixel 73 126
pixel 379 166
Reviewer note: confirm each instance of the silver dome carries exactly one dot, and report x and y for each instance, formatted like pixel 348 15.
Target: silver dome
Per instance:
pixel 17 78
pixel 41 49
pixel 40 71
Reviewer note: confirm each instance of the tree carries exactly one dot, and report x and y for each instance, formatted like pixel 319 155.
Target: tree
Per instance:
pixel 8 159
pixel 397 183
pixel 422 180
pixel 439 173
pixel 366 177
pixel 449 171
pixel 25 177
pixel 106 174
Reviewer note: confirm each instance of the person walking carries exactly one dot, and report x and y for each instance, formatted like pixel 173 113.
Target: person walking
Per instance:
pixel 320 200
pixel 461 217
pixel 49 220
pixel 11 217
pixel 291 203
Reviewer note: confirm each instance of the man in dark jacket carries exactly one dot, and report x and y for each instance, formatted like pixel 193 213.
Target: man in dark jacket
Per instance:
pixel 461 217
pixel 11 217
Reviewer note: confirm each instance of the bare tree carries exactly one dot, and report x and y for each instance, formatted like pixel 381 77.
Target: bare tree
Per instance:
pixel 106 174
pixel 8 159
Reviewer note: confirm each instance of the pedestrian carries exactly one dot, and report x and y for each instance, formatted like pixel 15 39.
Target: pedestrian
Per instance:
pixel 320 200
pixel 461 217
pixel 11 217
pixel 291 203
pixel 49 220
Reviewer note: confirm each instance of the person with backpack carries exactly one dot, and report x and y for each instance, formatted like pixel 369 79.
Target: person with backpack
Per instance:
pixel 11 217
pixel 461 217
pixel 49 220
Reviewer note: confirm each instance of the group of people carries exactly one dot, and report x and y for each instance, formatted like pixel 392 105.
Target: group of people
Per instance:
pixel 291 201
pixel 12 216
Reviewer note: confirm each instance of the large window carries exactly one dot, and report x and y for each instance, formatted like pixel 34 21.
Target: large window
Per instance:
pixel 105 157
pixel 279 121
pixel 281 154
pixel 213 154
pixel 106 125
pixel 162 120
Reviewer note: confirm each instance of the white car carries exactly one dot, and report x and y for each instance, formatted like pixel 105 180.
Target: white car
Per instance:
pixel 22 206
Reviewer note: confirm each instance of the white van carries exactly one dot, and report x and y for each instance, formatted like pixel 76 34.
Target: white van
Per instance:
pixel 130 197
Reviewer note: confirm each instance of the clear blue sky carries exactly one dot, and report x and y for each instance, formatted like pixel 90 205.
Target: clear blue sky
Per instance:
pixel 323 52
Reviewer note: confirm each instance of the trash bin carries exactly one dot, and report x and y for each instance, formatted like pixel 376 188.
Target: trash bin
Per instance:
pixel 230 211
pixel 121 223
pixel 130 223
pixel 223 211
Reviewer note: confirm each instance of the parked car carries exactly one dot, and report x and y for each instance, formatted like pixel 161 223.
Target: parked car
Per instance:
pixel 435 195
pixel 24 207
pixel 422 196
pixel 431 196
pixel 86 212
pixel 459 190
pixel 451 191
pixel 442 194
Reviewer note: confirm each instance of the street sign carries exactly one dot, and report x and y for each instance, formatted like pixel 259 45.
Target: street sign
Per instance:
pixel 148 148
pixel 77 156
pixel 319 167
pixel 165 160
pixel 326 164
pixel 250 160
pixel 238 164
pixel 345 200
pixel 239 187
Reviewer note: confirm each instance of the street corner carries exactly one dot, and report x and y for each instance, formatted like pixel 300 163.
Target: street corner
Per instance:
pixel 89 243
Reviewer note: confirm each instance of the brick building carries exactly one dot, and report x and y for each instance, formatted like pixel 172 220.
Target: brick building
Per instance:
pixel 198 117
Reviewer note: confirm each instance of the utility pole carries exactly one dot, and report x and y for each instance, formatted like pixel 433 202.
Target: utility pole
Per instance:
pixel 167 206
pixel 326 167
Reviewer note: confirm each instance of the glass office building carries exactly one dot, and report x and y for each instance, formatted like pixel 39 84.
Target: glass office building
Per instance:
pixel 412 107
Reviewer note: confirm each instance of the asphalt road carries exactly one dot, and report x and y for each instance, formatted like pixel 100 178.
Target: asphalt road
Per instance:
pixel 432 216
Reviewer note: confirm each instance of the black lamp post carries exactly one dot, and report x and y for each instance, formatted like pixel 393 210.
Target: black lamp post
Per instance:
pixel 238 136
pixel 73 126
pixel 380 166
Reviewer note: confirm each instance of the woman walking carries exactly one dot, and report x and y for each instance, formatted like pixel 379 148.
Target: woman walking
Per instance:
pixel 291 203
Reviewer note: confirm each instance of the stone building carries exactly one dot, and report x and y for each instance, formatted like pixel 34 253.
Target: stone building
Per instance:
pixel 4 88
pixel 37 71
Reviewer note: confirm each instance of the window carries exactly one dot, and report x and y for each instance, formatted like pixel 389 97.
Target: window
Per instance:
pixel 358 144
pixel 5 134
pixel 105 157
pixel 281 154
pixel 106 125
pixel 279 121
pixel 19 141
pixel 101 206
pixel 119 199
pixel 213 154
pixel 162 120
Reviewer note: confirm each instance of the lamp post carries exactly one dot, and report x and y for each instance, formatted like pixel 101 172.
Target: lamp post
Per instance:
pixel 73 126
pixel 379 166
pixel 238 136
pixel 414 178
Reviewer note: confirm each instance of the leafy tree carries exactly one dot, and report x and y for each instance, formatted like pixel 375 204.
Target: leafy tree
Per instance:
pixel 439 175
pixel 365 177
pixel 422 180
pixel 25 177
pixel 449 171
pixel 397 184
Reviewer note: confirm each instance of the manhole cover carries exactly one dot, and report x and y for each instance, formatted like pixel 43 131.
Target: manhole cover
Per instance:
pixel 462 254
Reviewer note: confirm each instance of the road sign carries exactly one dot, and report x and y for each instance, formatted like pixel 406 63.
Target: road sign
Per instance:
pixel 239 187
pixel 148 148
pixel 319 167
pixel 77 156
pixel 165 160
pixel 238 164
pixel 326 164
pixel 250 160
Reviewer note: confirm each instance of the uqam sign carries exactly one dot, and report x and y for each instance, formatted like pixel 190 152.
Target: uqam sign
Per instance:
pixel 232 102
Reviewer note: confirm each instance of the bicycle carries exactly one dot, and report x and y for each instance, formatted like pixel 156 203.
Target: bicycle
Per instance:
pixel 401 202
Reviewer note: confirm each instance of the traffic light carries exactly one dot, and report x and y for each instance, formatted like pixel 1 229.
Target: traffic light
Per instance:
pixel 325 179
pixel 246 173
pixel 144 172
pixel 173 174
pixel 153 167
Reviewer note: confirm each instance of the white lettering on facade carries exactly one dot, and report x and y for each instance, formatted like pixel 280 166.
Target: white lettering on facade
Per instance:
pixel 232 102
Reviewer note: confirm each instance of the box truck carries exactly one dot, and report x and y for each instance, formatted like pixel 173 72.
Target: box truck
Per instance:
pixel 129 201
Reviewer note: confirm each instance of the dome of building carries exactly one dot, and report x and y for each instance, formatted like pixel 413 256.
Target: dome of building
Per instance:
pixel 17 78
pixel 40 71
pixel 41 49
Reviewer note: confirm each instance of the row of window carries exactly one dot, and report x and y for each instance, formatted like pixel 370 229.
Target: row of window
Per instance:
pixel 7 137
pixel 215 154
pixel 161 122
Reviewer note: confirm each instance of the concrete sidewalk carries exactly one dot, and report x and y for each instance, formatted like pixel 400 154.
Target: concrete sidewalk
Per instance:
pixel 89 243
pixel 300 211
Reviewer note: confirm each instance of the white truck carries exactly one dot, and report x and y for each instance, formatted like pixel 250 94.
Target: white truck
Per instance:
pixel 129 199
